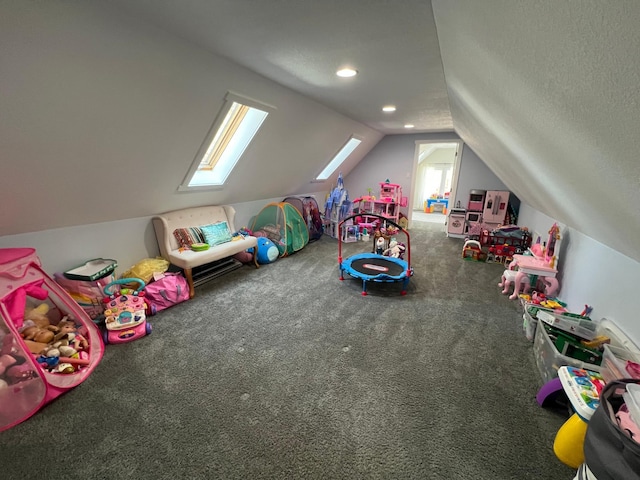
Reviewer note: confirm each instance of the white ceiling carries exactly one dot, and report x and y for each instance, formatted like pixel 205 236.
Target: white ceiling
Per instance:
pixel 302 43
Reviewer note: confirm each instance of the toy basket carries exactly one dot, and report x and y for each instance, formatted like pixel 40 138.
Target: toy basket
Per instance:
pixel 29 380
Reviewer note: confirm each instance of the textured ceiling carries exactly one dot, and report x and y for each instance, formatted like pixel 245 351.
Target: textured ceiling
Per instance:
pixel 546 93
pixel 301 43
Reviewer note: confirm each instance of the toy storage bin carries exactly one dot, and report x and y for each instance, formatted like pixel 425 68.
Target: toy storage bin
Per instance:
pixel 549 359
pixel 572 323
pixel 529 324
pixel 31 381
pixel 530 319
pixel 614 363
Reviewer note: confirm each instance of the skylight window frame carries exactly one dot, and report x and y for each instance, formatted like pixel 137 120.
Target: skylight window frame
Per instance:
pixel 338 159
pixel 218 178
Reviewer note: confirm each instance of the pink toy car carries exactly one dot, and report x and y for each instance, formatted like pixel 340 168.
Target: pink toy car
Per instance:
pixel 125 313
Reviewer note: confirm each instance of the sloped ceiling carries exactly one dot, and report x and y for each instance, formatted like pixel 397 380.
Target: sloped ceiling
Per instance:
pixel 106 101
pixel 547 94
pixel 301 43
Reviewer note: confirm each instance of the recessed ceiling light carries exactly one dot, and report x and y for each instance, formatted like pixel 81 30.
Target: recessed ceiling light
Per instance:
pixel 389 108
pixel 346 72
pixel 409 125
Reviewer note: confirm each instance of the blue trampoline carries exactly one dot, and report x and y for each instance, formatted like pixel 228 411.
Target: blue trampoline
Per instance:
pixel 373 267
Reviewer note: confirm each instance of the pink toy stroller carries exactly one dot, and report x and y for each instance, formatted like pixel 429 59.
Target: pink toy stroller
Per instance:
pixel 38 360
pixel 125 312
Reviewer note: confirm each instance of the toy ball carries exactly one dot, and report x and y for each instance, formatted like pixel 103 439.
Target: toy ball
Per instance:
pixel 267 251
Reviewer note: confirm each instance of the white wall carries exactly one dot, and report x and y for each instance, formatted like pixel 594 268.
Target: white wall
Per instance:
pixel 102 114
pixel 593 274
pixel 474 174
pixel 392 158
pixel 546 93
pixel 126 241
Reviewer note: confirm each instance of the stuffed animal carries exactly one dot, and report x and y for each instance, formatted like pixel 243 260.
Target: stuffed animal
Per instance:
pixel 19 373
pixel 38 315
pixel 37 334
pixel 5 362
pixel 380 245
pixel 37 327
pixel 244 257
pixel 395 249
pixel 68 336
pixel 13 368
pixel 267 251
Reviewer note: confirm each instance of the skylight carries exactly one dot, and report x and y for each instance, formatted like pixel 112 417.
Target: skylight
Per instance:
pixel 340 157
pixel 229 136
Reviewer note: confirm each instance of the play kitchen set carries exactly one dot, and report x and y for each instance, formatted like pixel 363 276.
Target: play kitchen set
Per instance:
pixel 490 208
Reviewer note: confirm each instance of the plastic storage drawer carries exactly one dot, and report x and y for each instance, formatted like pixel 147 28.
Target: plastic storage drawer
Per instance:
pixel 575 324
pixel 530 319
pixel 549 359
pixel 529 325
pixel 615 361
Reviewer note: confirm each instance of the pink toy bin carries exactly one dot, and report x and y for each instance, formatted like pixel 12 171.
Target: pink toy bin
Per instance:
pixel 29 381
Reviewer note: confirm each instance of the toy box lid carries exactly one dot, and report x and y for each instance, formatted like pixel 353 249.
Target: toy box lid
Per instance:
pixel 92 270
pixel 584 327
pixel 618 338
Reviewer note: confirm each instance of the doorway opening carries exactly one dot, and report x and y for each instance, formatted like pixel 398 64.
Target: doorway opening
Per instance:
pixel 435 176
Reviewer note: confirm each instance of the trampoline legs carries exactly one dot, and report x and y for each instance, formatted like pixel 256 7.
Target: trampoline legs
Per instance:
pixel 405 283
pixel 364 288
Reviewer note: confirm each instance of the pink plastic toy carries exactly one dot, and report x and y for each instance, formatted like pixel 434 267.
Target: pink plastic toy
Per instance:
pixel 125 313
pixel 550 284
pixel 508 279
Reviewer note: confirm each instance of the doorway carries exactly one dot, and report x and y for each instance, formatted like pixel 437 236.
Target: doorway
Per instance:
pixel 436 169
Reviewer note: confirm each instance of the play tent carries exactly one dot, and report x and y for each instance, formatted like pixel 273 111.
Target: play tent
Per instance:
pixel 308 208
pixel 30 298
pixel 283 224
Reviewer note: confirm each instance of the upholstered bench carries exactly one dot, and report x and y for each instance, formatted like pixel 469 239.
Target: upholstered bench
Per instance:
pixel 188 220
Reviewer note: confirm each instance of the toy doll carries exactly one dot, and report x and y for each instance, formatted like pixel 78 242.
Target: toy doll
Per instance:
pixel 68 335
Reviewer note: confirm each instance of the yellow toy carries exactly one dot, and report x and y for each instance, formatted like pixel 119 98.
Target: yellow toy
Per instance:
pixel 569 441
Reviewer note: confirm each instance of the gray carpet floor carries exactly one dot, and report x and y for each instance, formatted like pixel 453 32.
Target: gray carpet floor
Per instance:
pixel 286 372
